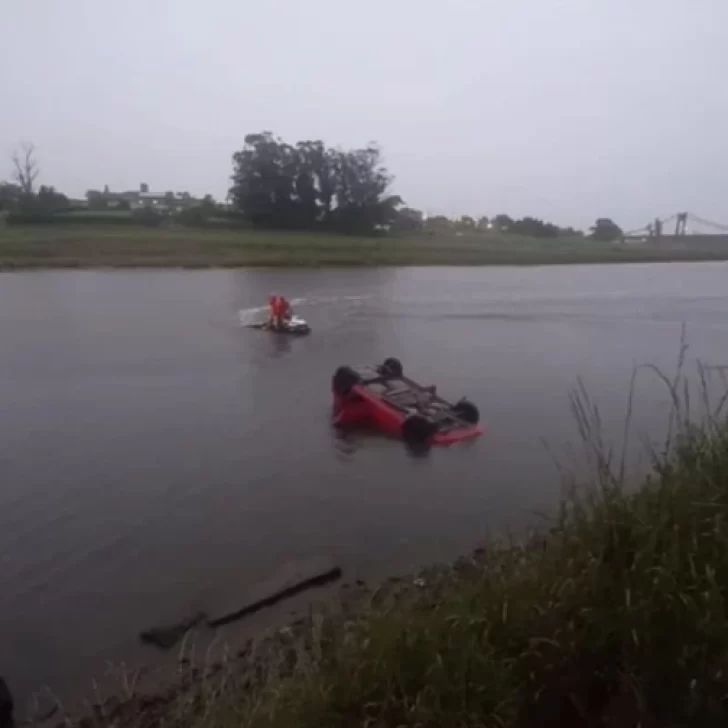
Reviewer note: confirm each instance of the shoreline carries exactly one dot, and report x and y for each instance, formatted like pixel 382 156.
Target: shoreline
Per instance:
pixel 53 248
pixel 141 694
pixel 176 265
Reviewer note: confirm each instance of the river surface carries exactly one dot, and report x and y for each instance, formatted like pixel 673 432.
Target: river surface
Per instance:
pixel 153 451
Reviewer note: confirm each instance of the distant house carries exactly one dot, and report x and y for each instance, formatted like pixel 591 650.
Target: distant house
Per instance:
pixel 170 202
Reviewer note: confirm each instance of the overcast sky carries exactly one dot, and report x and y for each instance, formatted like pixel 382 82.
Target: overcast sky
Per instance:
pixel 565 109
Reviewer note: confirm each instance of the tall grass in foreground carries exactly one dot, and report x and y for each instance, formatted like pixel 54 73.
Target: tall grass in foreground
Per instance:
pixel 616 616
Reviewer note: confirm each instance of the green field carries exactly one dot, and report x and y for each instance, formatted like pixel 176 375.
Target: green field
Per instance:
pixel 88 246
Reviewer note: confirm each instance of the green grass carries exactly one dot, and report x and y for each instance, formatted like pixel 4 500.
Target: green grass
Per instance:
pixel 84 246
pixel 615 616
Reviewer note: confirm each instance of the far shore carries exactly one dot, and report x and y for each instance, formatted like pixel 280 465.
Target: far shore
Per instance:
pixel 70 246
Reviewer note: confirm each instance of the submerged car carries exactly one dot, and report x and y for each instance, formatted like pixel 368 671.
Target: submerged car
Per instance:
pixel 293 325
pixel 383 397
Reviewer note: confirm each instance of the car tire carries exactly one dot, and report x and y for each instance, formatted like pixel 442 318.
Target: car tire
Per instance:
pixel 417 431
pixel 392 367
pixel 344 380
pixel 467 411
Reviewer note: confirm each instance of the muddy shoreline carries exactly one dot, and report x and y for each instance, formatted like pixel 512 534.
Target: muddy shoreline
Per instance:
pixel 241 650
pixel 193 643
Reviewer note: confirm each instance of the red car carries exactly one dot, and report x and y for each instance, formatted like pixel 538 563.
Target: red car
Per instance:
pixel 382 396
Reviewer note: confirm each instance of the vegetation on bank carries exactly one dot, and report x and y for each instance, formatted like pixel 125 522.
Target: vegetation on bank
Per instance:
pixel 89 246
pixel 304 187
pixel 616 616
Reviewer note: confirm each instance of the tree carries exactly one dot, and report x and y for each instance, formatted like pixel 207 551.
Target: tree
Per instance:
pixel 10 195
pixel 408 220
pixel 49 200
pixel 483 223
pixel 502 222
pixel 315 182
pixel 605 230
pixel 309 186
pixel 360 184
pixel 465 224
pixel 208 204
pixel 535 228
pixel 198 215
pixel 25 168
pixel 265 173
pixel 438 224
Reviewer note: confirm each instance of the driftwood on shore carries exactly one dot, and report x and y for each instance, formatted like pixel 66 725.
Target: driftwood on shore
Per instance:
pixel 289 583
pixel 291 589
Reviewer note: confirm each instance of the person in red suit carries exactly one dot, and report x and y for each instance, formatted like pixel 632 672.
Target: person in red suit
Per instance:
pixel 279 311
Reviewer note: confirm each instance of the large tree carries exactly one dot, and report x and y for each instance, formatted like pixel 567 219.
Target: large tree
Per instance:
pixel 606 230
pixel 262 180
pixel 308 186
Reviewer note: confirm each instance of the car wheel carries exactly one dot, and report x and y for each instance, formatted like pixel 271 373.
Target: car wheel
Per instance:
pixel 392 367
pixel 467 411
pixel 417 430
pixel 344 380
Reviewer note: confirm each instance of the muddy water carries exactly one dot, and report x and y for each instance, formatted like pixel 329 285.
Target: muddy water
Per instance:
pixel 155 454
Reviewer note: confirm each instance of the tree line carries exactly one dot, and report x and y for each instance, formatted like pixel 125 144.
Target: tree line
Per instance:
pixel 410 220
pixel 414 220
pixel 304 186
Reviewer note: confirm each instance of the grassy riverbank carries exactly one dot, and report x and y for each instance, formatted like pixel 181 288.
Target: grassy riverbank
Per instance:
pixel 80 246
pixel 615 616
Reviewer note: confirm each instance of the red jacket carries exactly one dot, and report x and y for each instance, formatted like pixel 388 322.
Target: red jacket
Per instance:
pixel 279 306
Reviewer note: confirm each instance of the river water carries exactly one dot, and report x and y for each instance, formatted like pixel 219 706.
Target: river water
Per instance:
pixel 153 451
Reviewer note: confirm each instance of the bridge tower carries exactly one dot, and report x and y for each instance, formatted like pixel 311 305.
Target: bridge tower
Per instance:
pixel 681 224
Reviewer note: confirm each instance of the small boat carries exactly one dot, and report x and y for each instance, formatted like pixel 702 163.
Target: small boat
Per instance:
pixel 294 325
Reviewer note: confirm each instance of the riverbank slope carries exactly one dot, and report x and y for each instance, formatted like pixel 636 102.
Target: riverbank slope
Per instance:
pixel 617 615
pixel 86 246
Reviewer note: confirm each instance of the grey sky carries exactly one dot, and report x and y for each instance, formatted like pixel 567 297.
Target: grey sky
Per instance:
pixel 566 109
